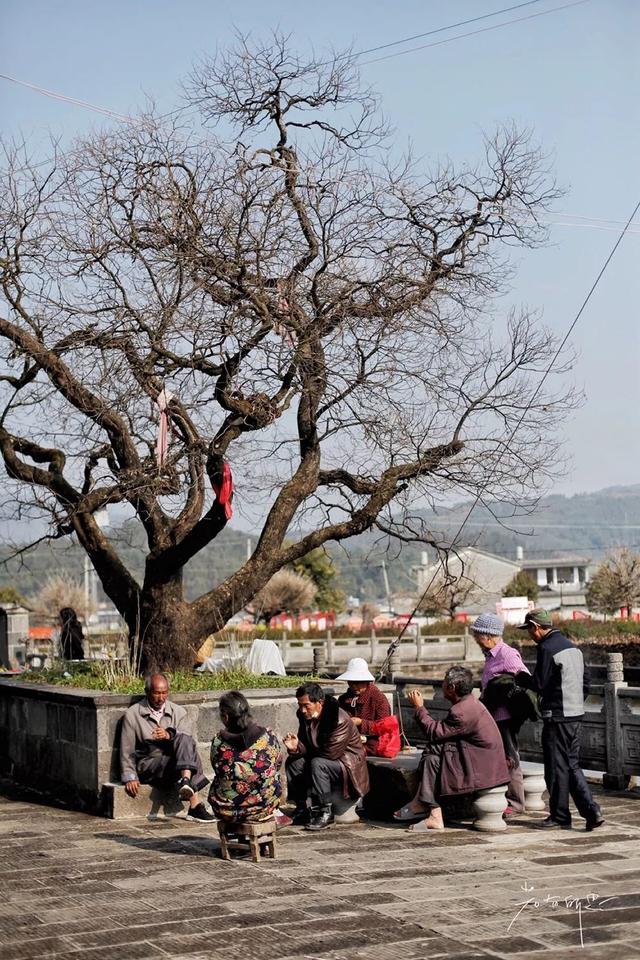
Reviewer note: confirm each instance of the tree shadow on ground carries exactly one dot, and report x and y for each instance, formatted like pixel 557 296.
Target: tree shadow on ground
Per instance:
pixel 184 844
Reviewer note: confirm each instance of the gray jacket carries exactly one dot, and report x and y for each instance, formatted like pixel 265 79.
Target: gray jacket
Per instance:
pixel 136 737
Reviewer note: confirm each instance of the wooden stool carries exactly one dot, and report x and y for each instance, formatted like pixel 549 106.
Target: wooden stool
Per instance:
pixel 257 835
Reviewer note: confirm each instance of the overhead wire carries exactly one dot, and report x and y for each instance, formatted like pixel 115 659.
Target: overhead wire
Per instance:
pixel 505 445
pixel 64 98
pixel 473 33
pixel 125 118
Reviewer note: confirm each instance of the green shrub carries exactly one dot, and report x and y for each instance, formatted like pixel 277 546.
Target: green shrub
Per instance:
pixel 103 676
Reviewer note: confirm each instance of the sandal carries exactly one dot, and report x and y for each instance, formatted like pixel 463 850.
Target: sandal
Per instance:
pixel 406 813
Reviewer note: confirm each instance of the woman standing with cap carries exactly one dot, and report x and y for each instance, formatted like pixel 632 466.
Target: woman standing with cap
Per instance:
pixel 363 701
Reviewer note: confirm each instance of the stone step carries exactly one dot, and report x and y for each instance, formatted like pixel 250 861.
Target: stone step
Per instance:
pixel 151 803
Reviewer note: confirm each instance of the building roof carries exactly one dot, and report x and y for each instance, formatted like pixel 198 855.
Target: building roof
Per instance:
pixel 568 561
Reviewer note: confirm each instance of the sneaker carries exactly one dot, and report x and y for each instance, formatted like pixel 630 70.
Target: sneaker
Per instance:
pixel 200 814
pixel 185 790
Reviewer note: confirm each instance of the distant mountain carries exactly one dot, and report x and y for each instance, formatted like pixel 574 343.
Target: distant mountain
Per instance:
pixel 590 524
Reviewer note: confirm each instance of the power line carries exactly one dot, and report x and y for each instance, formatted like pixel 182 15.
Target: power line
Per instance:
pixel 473 33
pixel 393 646
pixel 72 100
pixel 451 26
pixel 113 114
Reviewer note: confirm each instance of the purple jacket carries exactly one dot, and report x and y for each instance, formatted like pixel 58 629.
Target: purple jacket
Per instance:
pixel 501 659
pixel 473 756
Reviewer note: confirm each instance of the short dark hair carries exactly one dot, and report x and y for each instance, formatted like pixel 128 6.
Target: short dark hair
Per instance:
pixel 236 708
pixel 312 690
pixel 460 679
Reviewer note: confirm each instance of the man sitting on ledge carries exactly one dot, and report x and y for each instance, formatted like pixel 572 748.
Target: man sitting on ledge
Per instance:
pixel 326 755
pixel 156 747
pixel 464 752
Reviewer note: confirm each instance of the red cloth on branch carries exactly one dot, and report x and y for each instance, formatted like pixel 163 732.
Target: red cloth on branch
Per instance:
pixel 224 490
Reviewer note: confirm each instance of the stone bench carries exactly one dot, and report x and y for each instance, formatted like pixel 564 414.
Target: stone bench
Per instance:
pixel 151 803
pixel 395 781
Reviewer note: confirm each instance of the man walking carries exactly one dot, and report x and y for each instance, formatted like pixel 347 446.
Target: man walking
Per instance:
pixel 559 677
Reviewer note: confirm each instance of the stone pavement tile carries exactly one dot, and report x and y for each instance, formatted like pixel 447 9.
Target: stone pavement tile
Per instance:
pixel 598 917
pixel 116 907
pixel 155 932
pixel 585 858
pixel 267 944
pixel 435 948
pixel 27 949
pixel 507 946
pixel 125 951
pixel 186 911
pixel 600 951
pixel 592 935
pixel 372 899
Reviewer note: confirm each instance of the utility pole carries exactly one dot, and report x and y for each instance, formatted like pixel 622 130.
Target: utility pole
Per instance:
pixel 386 584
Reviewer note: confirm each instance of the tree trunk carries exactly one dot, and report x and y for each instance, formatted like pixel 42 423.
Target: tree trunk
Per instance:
pixel 160 634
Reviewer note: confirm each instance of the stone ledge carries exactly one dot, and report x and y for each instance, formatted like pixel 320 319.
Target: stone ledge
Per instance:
pixel 151 802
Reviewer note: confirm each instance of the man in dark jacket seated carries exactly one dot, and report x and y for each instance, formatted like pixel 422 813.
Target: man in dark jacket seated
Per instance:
pixel 326 755
pixel 464 752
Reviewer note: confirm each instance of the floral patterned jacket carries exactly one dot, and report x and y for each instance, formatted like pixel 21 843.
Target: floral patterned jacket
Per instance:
pixel 246 782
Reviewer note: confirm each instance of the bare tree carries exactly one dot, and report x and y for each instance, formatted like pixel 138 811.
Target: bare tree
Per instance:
pixel 322 316
pixel 448 593
pixel 60 591
pixel 286 592
pixel 615 584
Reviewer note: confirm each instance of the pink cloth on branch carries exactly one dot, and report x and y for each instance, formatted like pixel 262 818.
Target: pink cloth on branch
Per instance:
pixel 162 444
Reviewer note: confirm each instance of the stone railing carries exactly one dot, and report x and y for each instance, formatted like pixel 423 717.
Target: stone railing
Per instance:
pixel 320 652
pixel 610 733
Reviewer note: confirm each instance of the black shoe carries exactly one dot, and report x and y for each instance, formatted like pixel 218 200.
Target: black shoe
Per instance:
pixel 595 820
pixel 300 816
pixel 185 790
pixel 200 813
pixel 322 819
pixel 550 824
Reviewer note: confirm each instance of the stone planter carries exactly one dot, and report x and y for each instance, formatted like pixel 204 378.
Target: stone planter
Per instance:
pixel 64 742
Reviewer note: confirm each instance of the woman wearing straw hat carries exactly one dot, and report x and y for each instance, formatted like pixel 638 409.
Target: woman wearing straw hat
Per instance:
pixel 363 701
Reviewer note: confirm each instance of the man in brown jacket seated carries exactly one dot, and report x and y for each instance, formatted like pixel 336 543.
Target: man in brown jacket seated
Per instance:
pixel 326 755
pixel 464 752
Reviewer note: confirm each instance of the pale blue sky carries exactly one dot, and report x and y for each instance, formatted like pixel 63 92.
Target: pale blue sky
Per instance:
pixel 572 76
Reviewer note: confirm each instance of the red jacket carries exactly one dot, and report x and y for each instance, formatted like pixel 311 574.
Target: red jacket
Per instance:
pixel 473 757
pixel 370 706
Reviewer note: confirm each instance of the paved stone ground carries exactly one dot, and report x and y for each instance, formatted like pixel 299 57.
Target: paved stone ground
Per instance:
pixel 89 889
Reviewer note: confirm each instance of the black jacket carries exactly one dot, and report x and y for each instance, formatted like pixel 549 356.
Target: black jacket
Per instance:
pixel 503 691
pixel 560 677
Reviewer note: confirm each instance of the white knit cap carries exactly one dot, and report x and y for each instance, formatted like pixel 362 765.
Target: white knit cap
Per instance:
pixel 357 669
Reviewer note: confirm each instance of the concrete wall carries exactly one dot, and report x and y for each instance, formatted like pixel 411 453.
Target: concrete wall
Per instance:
pixel 65 743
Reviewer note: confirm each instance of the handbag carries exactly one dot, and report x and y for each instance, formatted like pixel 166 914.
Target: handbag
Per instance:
pixel 387 732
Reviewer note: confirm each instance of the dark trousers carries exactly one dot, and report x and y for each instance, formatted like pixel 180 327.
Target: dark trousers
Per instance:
pixel 429 775
pixel 315 776
pixel 515 790
pixel 164 761
pixel 562 773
